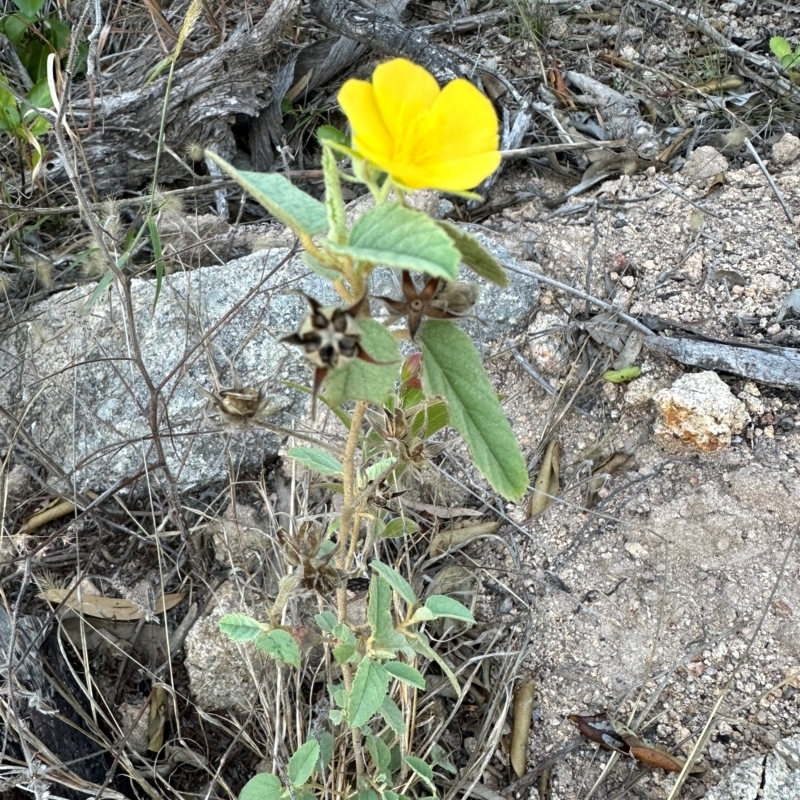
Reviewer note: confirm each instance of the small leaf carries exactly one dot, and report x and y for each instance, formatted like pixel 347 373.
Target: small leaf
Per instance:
pixel 281 646
pixel 452 369
pixel 326 746
pixel 303 762
pixel 293 207
pixel 475 255
pixel 369 689
pixel 393 716
pixel 380 753
pixel 326 621
pixel 264 786
pixel 240 627
pixel 379 608
pixel 405 673
pixel 780 47
pixel 421 645
pixel 337 222
pixel 622 375
pixel 29 8
pixel 345 653
pixel 374 471
pixel 318 460
pixel 402 238
pixel 423 614
pixel 327 134
pixel 399 526
pixel 396 581
pixel 422 769
pixel 360 380
pixel 443 606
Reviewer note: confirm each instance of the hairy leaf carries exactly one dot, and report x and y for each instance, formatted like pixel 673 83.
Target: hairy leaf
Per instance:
pixel 240 627
pixel 281 646
pixel 422 769
pixel 393 716
pixel 443 606
pixel 405 673
pixel 303 762
pixel 452 368
pixel 402 238
pixel 369 689
pixel 396 581
pixel 475 255
pixel 379 607
pixel 293 207
pixel 264 786
pixel 317 460
pixel 360 380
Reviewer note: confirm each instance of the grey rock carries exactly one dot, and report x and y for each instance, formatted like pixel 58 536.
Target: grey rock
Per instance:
pixel 779 772
pixel 72 379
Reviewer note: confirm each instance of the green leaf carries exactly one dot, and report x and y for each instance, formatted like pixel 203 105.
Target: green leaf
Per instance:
pixel 452 368
pixel 402 238
pixel 334 205
pixel 29 8
pixel 422 769
pixel 303 762
pixel 379 608
pixel 344 653
pixel 318 460
pixel 360 380
pixel 281 646
pixel 780 47
pixel 264 786
pixel 240 627
pixel 98 292
pixel 422 614
pixel 393 716
pixel 327 134
pixel 374 471
pixel 158 258
pixel 440 758
pixel 327 743
pixel 420 644
pixel 475 255
pixel 396 581
pixel 398 527
pixel 405 673
pixel 443 606
pixel 294 208
pixel 314 265
pixel 622 375
pixel 369 689
pixel 380 753
pixel 326 621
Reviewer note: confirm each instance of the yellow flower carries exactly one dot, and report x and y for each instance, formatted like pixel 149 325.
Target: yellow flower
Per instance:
pixel 423 136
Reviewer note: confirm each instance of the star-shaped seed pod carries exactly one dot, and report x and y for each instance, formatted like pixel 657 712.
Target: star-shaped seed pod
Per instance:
pixel 330 337
pixel 429 302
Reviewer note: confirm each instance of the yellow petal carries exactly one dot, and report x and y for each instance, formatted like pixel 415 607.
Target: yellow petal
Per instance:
pixel 455 175
pixel 465 120
pixel 370 136
pixel 404 92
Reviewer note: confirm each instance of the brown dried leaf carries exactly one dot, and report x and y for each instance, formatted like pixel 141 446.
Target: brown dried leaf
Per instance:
pixel 442 541
pixel 547 485
pixel 599 729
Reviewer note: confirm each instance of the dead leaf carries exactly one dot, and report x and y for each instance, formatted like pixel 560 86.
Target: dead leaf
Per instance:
pixel 599 729
pixel 158 718
pixel 55 509
pixel 442 541
pixel 523 707
pixel 547 485
pixel 112 608
pixel 654 755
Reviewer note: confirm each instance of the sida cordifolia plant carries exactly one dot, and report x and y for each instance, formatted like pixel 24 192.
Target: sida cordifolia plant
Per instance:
pixel 407 134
